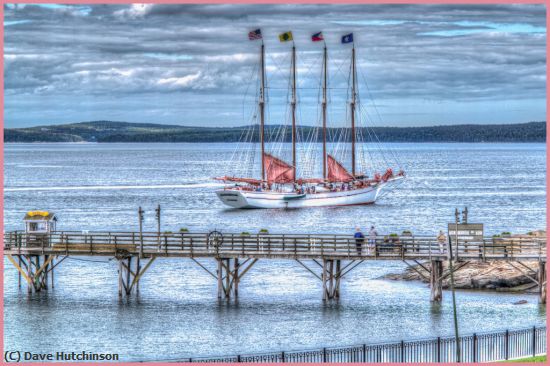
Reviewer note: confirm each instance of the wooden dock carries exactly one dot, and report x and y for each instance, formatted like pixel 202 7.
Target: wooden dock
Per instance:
pixel 36 256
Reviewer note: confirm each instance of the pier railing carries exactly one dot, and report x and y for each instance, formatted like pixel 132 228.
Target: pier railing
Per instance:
pixel 480 347
pixel 268 245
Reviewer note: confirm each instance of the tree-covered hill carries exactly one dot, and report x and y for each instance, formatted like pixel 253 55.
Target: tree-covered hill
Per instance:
pixel 107 131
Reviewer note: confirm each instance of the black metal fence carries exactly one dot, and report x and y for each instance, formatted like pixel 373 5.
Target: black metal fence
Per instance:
pixel 480 347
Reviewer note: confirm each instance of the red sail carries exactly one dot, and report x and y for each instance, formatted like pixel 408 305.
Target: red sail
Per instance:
pixel 277 171
pixel 336 172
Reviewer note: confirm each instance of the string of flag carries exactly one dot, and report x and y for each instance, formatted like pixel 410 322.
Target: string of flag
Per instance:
pixel 287 36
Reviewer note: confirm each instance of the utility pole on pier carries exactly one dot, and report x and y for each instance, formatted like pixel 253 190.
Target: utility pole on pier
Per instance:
pixel 140 216
pixel 452 278
pixel 157 215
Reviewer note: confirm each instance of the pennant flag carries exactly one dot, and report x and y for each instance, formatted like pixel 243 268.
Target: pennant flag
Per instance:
pixel 317 37
pixel 287 36
pixel 348 38
pixel 256 34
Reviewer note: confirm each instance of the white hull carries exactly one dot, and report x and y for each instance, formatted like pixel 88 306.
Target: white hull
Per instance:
pixel 267 199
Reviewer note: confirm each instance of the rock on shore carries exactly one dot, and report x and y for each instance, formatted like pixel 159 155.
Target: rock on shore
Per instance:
pixel 495 275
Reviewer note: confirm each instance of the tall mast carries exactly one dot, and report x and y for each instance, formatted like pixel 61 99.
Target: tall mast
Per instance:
pixel 352 105
pixel 293 103
pixel 261 103
pixel 325 112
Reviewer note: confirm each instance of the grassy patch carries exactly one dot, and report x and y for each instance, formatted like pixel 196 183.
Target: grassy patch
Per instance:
pixel 530 359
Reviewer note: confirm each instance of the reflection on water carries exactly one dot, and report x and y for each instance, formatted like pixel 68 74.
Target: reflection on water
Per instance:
pixel 177 313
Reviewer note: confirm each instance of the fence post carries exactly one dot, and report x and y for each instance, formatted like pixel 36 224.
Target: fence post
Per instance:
pixel 324 355
pixel 506 342
pixel 283 356
pixel 474 348
pixel 438 349
pixel 238 358
pixel 364 353
pixel 402 351
pixel 534 341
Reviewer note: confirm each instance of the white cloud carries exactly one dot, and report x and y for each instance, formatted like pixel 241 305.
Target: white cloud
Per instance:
pixel 182 82
pixel 135 11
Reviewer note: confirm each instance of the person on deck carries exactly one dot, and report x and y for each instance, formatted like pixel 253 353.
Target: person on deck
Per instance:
pixel 372 239
pixel 441 240
pixel 359 238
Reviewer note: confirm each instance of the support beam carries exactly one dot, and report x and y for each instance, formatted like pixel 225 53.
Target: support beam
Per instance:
pixel 34 270
pixel 130 273
pixel 436 282
pixel 417 270
pixel 460 266
pixel 523 272
pixel 309 269
pixel 20 269
pixel 229 274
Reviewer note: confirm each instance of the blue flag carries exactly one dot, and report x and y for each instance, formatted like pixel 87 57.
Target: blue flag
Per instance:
pixel 348 38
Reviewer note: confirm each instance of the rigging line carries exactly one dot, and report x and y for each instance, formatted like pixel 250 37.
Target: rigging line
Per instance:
pixel 364 126
pixel 394 154
pixel 237 149
pixel 339 68
pixel 308 72
pixel 378 143
pixel 238 154
pixel 371 138
pixel 278 67
pixel 364 147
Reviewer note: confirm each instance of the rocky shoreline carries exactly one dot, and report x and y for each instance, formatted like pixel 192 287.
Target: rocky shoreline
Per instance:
pixel 495 275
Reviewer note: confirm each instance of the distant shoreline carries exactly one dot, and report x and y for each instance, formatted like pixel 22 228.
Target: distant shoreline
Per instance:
pixel 108 131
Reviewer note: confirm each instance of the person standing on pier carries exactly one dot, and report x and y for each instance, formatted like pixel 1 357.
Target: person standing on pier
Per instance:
pixel 372 239
pixel 359 238
pixel 441 240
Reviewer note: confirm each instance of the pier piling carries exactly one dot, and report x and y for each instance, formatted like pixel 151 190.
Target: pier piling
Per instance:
pixel 436 281
pixel 542 281
pixel 331 276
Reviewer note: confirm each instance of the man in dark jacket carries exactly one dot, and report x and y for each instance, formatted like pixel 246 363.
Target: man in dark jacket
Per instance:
pixel 359 239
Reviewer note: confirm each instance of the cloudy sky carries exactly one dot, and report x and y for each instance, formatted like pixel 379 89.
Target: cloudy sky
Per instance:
pixel 194 65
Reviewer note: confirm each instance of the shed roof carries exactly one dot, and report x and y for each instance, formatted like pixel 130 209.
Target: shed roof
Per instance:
pixel 39 216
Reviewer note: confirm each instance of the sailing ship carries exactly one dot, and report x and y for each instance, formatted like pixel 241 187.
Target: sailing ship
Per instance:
pixel 278 184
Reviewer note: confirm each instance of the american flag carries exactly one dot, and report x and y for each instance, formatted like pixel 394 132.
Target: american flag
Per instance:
pixel 256 34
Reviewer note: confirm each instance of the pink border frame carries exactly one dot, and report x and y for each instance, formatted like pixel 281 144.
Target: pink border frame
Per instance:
pixel 546 2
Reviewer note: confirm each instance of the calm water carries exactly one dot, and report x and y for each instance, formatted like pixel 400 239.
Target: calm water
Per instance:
pixel 99 187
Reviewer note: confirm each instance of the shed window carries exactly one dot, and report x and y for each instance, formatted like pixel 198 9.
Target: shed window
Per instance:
pixel 37 226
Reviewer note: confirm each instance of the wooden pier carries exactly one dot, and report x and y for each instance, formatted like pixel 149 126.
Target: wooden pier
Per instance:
pixel 330 257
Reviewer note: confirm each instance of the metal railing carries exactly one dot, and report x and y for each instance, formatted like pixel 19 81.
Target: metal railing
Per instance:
pixel 480 347
pixel 267 245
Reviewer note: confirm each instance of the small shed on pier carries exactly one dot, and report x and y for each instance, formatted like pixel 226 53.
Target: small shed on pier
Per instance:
pixel 40 222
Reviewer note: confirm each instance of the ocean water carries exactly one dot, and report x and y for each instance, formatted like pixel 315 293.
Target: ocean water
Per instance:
pixel 176 314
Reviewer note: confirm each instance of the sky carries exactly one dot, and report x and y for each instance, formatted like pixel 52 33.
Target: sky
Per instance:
pixel 193 65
